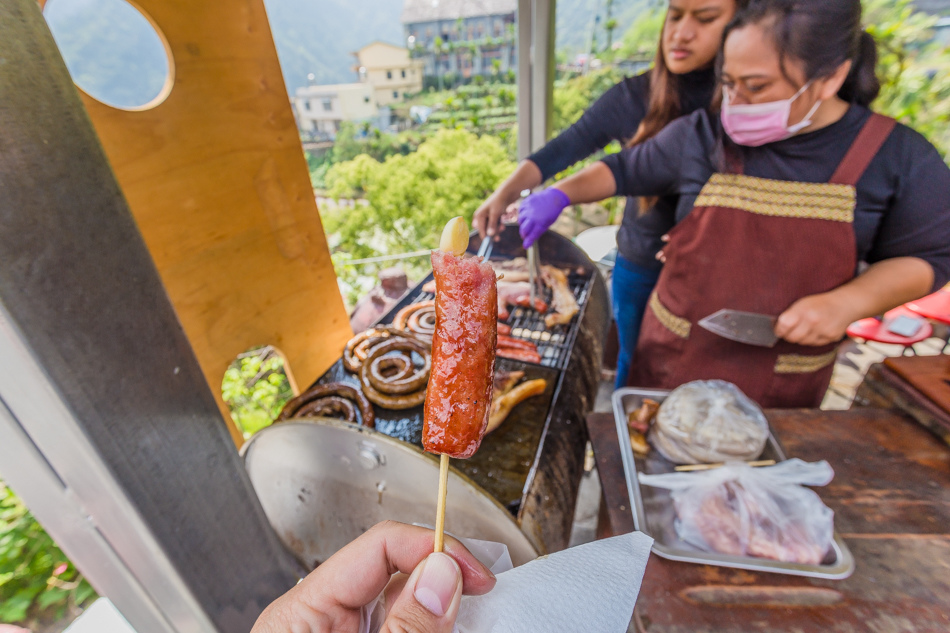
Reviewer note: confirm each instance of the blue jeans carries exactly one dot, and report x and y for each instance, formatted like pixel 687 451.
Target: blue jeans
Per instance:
pixel 632 285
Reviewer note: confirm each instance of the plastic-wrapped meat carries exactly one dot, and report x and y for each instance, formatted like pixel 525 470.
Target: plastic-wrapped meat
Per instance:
pixel 458 396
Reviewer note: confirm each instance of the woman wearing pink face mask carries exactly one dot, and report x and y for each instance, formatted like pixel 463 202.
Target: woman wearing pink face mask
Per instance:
pixel 780 198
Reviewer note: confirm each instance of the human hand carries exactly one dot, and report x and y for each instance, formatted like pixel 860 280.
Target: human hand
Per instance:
pixel 330 598
pixel 487 218
pixel 661 254
pixel 814 320
pixel 538 212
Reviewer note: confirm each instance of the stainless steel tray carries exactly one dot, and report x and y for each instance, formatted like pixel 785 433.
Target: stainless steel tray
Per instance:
pixel 654 515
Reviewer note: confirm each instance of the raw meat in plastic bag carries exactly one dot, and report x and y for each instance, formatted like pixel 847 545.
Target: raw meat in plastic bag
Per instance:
pixel 760 512
pixel 709 421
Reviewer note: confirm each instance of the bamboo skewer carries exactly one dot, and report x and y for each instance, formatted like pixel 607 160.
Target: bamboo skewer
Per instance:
pixel 440 510
pixel 694 467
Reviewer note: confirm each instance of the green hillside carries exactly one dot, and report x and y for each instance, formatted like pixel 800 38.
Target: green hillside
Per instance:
pixel 575 19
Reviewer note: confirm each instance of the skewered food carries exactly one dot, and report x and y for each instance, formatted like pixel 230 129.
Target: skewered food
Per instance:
pixel 332 400
pixel 563 303
pixel 459 392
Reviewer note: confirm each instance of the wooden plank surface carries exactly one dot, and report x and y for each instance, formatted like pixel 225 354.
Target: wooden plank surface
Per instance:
pixel 81 295
pixel 216 179
pixel 891 497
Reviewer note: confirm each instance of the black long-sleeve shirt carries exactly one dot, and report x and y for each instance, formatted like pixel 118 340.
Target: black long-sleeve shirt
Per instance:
pixel 903 198
pixel 616 116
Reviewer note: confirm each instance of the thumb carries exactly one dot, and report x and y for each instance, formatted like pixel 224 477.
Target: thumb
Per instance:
pixel 430 601
pixel 786 322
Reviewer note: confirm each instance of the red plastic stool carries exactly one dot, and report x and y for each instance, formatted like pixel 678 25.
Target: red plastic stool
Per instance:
pixel 935 307
pixel 874 329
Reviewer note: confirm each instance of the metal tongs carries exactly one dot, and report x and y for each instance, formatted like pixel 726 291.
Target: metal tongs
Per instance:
pixel 534 270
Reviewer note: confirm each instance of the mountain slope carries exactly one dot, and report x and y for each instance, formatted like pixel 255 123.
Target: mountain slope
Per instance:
pixel 104 52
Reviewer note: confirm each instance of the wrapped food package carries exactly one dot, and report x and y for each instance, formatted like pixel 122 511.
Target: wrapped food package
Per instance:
pixel 709 421
pixel 758 512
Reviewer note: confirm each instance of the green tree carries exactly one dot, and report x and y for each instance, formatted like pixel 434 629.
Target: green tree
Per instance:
pixel 913 68
pixel 640 40
pixel 37 581
pixel 406 200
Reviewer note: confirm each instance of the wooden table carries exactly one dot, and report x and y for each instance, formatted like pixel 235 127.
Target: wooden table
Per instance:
pixel 891 497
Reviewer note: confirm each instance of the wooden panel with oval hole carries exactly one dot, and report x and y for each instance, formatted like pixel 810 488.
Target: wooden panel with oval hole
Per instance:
pixel 216 178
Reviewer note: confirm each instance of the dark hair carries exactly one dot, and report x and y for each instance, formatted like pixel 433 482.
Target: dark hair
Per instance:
pixel 822 35
pixel 664 105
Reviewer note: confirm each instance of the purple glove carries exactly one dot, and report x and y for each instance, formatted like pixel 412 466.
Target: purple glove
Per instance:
pixel 538 211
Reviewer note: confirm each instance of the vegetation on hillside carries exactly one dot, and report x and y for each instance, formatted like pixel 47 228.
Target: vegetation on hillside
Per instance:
pixel 408 199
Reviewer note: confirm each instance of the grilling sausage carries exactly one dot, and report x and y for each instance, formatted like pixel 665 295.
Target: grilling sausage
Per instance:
pixel 325 400
pixel 524 355
pixel 459 392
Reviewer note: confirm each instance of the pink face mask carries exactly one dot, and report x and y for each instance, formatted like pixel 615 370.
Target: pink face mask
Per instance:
pixel 760 123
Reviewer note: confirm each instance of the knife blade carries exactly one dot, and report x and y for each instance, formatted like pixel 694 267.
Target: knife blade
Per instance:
pixel 744 327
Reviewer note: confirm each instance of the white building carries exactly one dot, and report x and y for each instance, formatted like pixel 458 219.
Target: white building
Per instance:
pixel 391 72
pixel 321 109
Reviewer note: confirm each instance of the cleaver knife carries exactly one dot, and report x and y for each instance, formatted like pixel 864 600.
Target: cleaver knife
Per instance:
pixel 744 327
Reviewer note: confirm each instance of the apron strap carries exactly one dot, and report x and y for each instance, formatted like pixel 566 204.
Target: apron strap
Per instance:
pixel 863 150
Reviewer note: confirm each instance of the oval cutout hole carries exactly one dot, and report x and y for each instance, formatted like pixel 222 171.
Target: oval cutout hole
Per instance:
pixel 256 386
pixel 113 52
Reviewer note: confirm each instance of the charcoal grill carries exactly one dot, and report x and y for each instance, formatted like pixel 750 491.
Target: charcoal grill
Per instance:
pixel 532 464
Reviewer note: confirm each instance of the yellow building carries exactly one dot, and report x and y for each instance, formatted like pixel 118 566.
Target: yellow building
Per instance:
pixel 390 70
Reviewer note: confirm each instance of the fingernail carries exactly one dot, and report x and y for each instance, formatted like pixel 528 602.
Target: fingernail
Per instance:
pixel 491 231
pixel 438 583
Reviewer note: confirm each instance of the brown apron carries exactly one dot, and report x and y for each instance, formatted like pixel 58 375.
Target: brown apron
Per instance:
pixel 756 245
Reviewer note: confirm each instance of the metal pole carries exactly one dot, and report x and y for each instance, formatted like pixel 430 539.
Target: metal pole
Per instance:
pixel 525 17
pixel 102 403
pixel 542 73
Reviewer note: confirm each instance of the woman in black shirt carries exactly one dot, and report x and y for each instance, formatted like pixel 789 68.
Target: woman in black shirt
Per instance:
pixel 681 81
pixel 775 214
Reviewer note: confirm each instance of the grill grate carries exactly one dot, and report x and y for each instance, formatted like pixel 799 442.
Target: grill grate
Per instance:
pixel 554 344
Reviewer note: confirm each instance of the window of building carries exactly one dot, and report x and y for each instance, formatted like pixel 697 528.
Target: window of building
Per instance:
pixel 389 74
pixel 365 99
pixel 395 95
pixel 403 73
pixel 327 105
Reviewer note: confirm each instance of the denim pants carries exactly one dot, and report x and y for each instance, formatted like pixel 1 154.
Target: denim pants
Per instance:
pixel 632 285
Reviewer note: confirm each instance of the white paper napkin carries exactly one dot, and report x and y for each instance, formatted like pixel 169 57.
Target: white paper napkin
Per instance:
pixel 591 587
